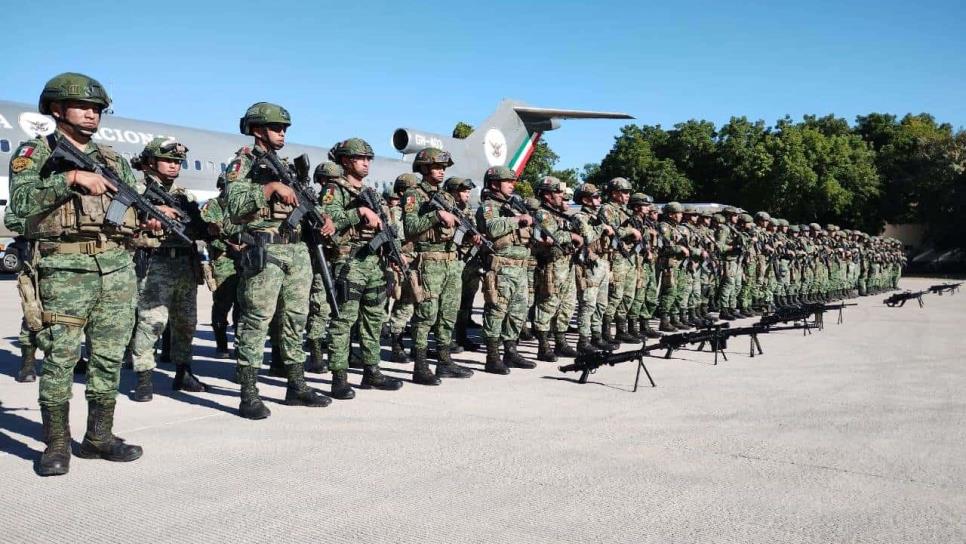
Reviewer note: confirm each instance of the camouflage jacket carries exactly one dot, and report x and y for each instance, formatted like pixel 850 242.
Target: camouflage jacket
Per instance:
pixel 497 222
pixel 422 223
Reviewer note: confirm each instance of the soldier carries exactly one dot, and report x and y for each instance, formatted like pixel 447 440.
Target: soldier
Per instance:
pixel 439 266
pixel 170 288
pixel 640 312
pixel 673 251
pixel 28 345
pixel 622 288
pixel 88 282
pixel 224 252
pixel 402 310
pixel 317 323
pixel 360 274
pixel 505 281
pixel 554 276
pixel 276 270
pixel 592 272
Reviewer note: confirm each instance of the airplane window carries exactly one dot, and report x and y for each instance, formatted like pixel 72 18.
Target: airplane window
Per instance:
pixel 184 164
pixel 224 167
pixel 4 146
pixel 197 165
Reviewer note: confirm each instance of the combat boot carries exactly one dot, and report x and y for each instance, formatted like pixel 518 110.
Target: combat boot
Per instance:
pixel 726 315
pixel 55 460
pixel 28 365
pixel 633 329
pixel 454 347
pixel 341 389
pixel 526 333
pixel 676 322
pixel 597 340
pixel 298 393
pixel 251 406
pixel 277 367
pixel 666 325
pixel 398 350
pixel 373 378
pixel 221 341
pixel 605 332
pixel 185 380
pixel 622 334
pixel 446 368
pixel 561 347
pixel 460 335
pixel 355 361
pixel 80 367
pixel 127 362
pixel 494 365
pixel 544 353
pixel 143 390
pixel 421 372
pixel 317 364
pixel 584 347
pixel 513 359
pixel 647 331
pixel 100 442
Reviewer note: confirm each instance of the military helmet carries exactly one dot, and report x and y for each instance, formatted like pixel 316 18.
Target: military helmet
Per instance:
pixel 747 218
pixel 814 226
pixel 638 199
pixel 831 228
pixel 263 113
pixel 731 210
pixel 794 228
pixel 432 155
pixel 326 171
pixel 531 203
pixel 458 184
pixel 673 207
pixel 762 216
pixel 404 182
pixel 72 86
pixel 160 147
pixel 587 189
pixel 388 193
pixel 353 147
pixel 550 184
pixel 719 218
pixel 619 184
pixel 498 173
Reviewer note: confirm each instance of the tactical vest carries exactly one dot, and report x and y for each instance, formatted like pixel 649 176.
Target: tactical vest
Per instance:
pixel 83 216
pixel 438 233
pixel 517 236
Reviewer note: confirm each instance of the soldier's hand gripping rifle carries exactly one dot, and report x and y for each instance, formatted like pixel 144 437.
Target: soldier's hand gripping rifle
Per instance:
pixel 951 288
pixel 65 157
pixel 464 227
pixel 189 214
pixel 900 299
pixel 516 206
pixel 306 211
pixel 387 241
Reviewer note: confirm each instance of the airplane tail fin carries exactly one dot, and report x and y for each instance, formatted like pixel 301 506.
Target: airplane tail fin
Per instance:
pixel 506 138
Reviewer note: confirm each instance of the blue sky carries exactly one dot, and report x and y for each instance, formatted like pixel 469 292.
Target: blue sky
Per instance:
pixel 363 69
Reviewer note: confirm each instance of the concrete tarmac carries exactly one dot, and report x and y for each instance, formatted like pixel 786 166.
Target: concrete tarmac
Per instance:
pixel 852 434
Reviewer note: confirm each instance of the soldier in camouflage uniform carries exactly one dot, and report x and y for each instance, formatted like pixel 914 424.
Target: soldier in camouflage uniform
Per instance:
pixel 749 272
pixel 438 263
pixel 402 310
pixel 505 282
pixel 317 323
pixel 84 271
pixel 592 272
pixel 277 270
pixel 28 346
pixel 359 273
pixel 623 274
pixel 554 276
pixel 731 247
pixel 223 251
pixel 674 251
pixel 170 291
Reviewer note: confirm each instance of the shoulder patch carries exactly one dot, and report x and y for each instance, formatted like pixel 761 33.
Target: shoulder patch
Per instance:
pixel 410 203
pixel 20 164
pixel 26 151
pixel 488 212
pixel 329 195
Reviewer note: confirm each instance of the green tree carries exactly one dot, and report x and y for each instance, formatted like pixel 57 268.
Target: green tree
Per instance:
pixel 633 157
pixel 462 130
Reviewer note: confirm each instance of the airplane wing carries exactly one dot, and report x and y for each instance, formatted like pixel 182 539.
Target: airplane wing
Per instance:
pixel 539 114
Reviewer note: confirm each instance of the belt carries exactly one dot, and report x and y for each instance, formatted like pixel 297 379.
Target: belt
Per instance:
pixel 268 238
pixel 92 247
pixel 438 256
pixel 497 261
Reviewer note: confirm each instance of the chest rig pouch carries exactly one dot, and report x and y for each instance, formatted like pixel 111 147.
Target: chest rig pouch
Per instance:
pixel 80 216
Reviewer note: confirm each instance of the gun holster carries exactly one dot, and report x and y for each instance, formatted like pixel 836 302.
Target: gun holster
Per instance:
pixel 142 260
pixel 253 259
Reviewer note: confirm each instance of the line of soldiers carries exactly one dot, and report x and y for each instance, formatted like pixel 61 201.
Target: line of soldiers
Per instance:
pixel 317 267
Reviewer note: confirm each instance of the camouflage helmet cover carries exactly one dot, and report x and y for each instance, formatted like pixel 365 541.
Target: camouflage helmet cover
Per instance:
pixel 353 147
pixel 587 189
pixel 814 226
pixel 327 170
pixel 550 184
pixel 263 113
pixel 432 155
pixel 458 184
pixel 639 199
pixel 498 173
pixel 718 218
pixel 673 207
pixel 160 147
pixel 794 228
pixel 730 209
pixel 72 86
pixel 405 182
pixel 746 218
pixel 762 216
pixel 619 184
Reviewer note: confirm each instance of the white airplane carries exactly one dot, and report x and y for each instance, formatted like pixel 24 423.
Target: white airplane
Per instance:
pixel 506 138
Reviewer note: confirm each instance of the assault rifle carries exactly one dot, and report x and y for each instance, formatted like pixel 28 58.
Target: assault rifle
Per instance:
pixel 516 206
pixel 387 241
pixel 464 226
pixel 188 210
pixel 900 299
pixel 306 211
pixel 65 157
pixel 951 288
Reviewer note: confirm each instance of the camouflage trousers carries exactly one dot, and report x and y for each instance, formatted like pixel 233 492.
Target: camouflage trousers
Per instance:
pixel 505 313
pixel 593 284
pixel 317 324
pixel 645 296
pixel 685 287
pixel 402 313
pixel 361 284
pixel 730 283
pixel 470 279
pixel 672 277
pixel 280 288
pixel 170 292
pixel 622 286
pixel 555 302
pixel 747 293
pixel 226 292
pixel 442 281
pixel 106 301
